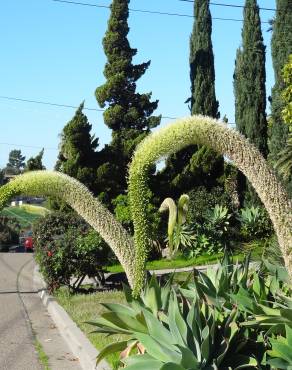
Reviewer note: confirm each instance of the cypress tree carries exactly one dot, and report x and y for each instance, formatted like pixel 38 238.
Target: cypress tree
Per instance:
pixel 250 91
pixel 202 72
pixel 198 166
pixel 281 48
pixel 77 157
pixel 128 114
pixel 250 80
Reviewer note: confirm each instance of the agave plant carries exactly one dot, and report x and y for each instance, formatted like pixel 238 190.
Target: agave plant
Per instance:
pixel 217 284
pixel 166 334
pixel 280 356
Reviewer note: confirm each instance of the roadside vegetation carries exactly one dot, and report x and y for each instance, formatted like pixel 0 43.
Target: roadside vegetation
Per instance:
pixel 222 194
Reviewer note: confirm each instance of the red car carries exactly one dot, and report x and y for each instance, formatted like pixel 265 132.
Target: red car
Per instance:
pixel 26 241
pixel 28 244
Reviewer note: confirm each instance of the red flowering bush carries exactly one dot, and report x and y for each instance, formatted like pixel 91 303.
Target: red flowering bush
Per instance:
pixel 66 247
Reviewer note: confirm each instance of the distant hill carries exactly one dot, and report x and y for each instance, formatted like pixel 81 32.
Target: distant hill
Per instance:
pixel 25 214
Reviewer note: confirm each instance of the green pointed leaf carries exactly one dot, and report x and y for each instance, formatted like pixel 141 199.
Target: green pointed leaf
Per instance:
pixel 172 366
pixel 111 348
pixel 157 350
pixel 156 329
pixel 281 350
pixel 177 325
pixel 125 322
pixel 188 358
pixel 117 307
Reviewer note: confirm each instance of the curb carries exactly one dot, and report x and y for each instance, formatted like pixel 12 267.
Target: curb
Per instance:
pixel 73 336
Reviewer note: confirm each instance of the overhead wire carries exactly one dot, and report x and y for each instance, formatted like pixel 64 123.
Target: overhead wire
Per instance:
pixel 234 5
pixel 28 146
pixel 59 105
pixel 71 2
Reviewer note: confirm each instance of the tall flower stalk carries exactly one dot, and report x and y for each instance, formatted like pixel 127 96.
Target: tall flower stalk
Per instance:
pixel 71 191
pixel 205 131
pixel 168 140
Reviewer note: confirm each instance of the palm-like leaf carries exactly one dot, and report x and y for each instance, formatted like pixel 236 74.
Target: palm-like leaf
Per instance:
pixel 284 164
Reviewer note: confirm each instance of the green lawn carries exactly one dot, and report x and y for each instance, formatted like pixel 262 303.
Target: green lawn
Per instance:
pixel 86 307
pixel 25 214
pixel 180 261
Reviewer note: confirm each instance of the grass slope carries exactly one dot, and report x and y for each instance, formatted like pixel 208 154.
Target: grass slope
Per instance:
pixel 25 214
pixel 86 307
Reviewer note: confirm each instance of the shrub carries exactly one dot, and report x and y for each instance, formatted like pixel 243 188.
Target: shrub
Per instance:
pixel 254 223
pixel 272 251
pixel 202 200
pixel 67 247
pixel 9 232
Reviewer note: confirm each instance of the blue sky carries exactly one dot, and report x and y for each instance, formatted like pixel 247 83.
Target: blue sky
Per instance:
pixel 53 52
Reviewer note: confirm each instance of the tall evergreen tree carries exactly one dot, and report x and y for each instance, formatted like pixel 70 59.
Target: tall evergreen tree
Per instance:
pixel 16 162
pixel 77 157
pixel 128 114
pixel 250 90
pixel 197 166
pixel 281 48
pixel 202 71
pixel 250 80
pixel 35 163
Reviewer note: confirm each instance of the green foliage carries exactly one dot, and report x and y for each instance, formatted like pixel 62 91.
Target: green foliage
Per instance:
pixel 249 80
pixel 219 219
pixel 212 234
pixel 201 200
pixel 281 357
pixel 281 48
pixel 284 164
pixel 183 237
pixel 35 163
pixel 272 251
pixel 9 232
pixel 122 211
pixel 15 162
pixel 127 113
pixel 77 156
pixel 287 92
pixel 254 222
pixel 250 90
pixel 197 165
pixel 230 317
pixel 202 72
pixel 65 248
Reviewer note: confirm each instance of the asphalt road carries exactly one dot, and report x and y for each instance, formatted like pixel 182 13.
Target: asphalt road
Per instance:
pixel 16 338
pixel 24 319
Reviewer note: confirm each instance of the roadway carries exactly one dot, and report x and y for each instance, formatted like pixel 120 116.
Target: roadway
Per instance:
pixel 24 319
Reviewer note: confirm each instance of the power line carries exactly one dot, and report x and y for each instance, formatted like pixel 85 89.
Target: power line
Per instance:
pixel 147 11
pixel 232 5
pixel 28 146
pixel 59 105
pixel 48 103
